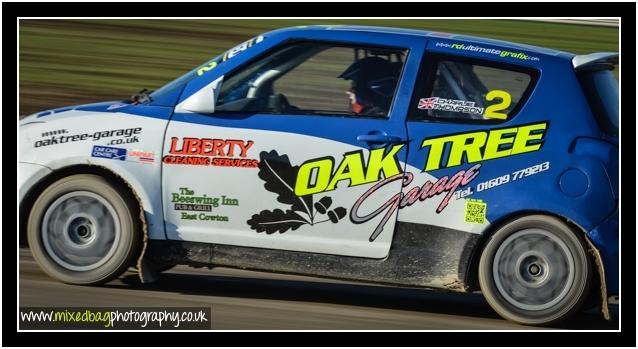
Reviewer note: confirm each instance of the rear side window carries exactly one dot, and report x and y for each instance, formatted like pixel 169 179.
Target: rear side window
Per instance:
pixel 601 89
pixel 461 90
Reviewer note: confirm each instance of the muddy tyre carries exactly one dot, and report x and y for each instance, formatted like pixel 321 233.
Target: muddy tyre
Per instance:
pixel 84 230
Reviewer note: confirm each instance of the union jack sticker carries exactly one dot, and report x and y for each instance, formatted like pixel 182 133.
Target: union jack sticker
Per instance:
pixel 427 103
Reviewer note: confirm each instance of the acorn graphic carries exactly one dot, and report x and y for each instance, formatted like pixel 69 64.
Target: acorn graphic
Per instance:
pixel 323 205
pixel 336 214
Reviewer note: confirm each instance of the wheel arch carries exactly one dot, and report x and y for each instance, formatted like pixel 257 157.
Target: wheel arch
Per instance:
pixel 471 276
pixel 120 182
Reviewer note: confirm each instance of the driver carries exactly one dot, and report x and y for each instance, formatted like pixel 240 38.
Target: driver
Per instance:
pixel 373 80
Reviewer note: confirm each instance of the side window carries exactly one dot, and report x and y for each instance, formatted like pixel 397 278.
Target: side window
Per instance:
pixel 465 90
pixel 315 78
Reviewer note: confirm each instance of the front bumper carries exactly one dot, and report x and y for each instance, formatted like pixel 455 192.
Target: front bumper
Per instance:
pixel 28 175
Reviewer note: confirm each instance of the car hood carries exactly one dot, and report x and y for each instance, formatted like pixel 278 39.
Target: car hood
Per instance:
pixel 51 114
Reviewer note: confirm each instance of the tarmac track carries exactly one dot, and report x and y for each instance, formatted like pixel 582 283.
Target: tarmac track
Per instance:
pixel 247 300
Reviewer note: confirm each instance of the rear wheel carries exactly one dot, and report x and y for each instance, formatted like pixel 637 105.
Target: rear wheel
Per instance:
pixel 535 270
pixel 82 230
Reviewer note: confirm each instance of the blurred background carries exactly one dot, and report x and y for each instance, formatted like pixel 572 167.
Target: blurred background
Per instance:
pixel 69 62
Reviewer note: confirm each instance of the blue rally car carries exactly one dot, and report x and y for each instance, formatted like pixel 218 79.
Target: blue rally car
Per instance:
pixel 386 155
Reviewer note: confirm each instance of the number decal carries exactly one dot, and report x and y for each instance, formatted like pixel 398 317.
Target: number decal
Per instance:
pixel 209 67
pixel 491 112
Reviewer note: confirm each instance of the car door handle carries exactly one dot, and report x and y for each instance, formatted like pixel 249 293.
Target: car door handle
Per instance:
pixel 379 138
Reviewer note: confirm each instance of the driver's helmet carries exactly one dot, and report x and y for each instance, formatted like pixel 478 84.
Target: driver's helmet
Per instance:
pixel 373 80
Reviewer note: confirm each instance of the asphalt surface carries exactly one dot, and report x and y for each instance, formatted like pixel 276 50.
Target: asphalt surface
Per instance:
pixel 247 300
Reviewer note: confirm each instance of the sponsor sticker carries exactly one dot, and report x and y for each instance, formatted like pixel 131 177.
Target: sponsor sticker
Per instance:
pixel 297 185
pixel 145 157
pixel 453 105
pixel 241 47
pixel 492 51
pixel 210 152
pixel 100 151
pixel 116 137
pixel 229 54
pixel 502 101
pixel 475 211
pixel 185 199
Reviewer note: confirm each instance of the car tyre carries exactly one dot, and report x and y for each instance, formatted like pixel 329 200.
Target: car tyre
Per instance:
pixel 84 230
pixel 535 270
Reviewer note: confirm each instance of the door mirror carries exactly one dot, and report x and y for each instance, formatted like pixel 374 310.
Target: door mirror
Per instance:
pixel 202 101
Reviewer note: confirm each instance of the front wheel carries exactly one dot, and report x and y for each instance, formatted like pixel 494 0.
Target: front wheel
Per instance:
pixel 535 270
pixel 83 230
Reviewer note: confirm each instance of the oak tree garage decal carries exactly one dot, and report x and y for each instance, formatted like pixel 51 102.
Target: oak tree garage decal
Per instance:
pixel 297 185
pixel 279 177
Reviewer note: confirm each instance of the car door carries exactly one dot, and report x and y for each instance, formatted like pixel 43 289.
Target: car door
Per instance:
pixel 465 142
pixel 284 162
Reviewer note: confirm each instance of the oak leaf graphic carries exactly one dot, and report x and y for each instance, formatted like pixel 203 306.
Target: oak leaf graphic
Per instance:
pixel 276 221
pixel 280 177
